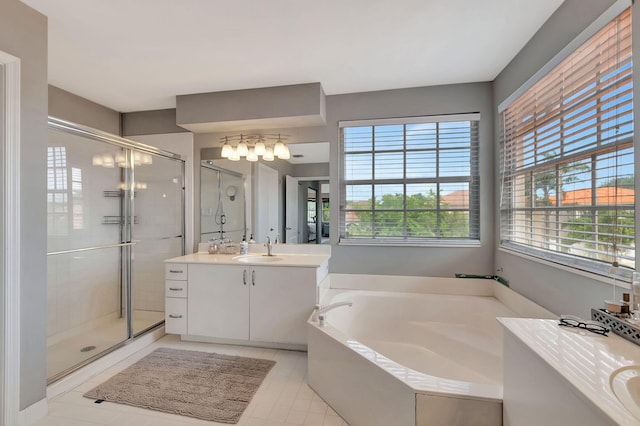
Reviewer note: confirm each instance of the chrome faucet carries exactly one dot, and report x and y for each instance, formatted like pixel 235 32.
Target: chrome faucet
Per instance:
pixel 320 312
pixel 269 247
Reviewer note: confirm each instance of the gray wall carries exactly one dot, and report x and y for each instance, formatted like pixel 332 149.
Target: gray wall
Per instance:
pixel 432 261
pixel 311 170
pixel 67 106
pixel 154 122
pixel 23 33
pixel 556 289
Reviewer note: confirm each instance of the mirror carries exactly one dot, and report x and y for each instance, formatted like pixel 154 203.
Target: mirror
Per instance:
pixel 266 214
pixel 314 211
pixel 222 204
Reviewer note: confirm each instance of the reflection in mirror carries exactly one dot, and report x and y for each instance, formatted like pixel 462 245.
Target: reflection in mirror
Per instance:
pixel 222 204
pixel 312 216
pixel 314 212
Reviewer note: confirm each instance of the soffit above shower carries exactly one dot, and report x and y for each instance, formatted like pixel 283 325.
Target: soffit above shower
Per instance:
pixel 280 107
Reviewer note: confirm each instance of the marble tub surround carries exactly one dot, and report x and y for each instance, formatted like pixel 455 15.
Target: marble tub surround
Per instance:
pixel 563 375
pixel 426 349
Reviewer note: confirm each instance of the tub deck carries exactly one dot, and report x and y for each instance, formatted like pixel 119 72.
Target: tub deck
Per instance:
pixel 432 350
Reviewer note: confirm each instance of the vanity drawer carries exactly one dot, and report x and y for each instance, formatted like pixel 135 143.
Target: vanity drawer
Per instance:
pixel 175 317
pixel 175 271
pixel 175 288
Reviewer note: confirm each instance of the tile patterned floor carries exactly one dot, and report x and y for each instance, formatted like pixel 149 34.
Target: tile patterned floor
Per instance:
pixel 284 398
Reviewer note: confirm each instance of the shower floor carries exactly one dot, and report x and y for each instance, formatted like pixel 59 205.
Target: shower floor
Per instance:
pixel 72 347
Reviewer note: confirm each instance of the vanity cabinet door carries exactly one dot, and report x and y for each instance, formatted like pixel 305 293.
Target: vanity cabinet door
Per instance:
pixel 282 299
pixel 218 301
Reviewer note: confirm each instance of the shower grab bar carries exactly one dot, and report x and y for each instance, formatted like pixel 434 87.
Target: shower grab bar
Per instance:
pixel 92 248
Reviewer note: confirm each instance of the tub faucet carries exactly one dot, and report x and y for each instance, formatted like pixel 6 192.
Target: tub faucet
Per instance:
pixel 269 247
pixel 320 312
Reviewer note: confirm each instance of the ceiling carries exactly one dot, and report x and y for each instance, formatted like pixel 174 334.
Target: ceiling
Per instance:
pixel 138 55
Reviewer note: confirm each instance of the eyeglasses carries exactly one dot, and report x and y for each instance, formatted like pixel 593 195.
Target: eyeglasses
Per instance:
pixel 592 326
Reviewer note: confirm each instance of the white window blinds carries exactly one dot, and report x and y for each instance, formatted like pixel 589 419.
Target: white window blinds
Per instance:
pixel 410 181
pixel 567 163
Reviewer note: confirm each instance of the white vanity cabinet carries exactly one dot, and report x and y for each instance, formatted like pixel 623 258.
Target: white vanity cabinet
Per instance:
pixel 268 304
pixel 218 302
pixel 175 320
pixel 281 300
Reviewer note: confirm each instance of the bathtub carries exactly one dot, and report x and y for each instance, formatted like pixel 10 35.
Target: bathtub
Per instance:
pixel 427 353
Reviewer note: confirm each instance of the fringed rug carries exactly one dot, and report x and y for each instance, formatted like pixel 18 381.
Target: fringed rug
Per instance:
pixel 203 385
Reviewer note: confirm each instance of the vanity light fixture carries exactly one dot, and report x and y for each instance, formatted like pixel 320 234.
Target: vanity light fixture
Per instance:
pixel 254 146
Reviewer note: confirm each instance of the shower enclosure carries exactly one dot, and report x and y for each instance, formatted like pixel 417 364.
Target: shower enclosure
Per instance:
pixel 222 204
pixel 115 211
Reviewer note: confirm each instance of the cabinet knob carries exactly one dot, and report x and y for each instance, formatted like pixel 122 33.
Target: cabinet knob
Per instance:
pixel 175 271
pixel 253 277
pixel 175 288
pixel 175 316
pixel 244 277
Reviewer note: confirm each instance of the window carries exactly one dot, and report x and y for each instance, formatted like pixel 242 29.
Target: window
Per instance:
pixel 567 167
pixel 410 181
pixel 57 191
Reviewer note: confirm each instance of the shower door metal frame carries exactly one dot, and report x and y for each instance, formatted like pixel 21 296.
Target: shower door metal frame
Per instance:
pixel 127 213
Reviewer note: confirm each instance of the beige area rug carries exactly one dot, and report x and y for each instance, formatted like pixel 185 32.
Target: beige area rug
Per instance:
pixel 203 385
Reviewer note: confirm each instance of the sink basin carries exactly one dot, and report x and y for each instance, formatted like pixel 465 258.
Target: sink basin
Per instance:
pixel 257 259
pixel 625 383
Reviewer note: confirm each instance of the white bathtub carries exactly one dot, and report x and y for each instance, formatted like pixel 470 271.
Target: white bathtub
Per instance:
pixel 427 353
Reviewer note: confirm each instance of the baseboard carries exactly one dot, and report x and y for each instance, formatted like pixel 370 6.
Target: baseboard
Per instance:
pixel 204 339
pixel 33 413
pixel 87 372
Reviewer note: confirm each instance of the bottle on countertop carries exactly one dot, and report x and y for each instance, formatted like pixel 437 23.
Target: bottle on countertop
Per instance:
pixel 251 240
pixel 244 246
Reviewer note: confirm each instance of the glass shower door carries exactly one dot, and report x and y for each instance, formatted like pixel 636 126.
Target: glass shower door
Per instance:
pixel 84 248
pixel 157 232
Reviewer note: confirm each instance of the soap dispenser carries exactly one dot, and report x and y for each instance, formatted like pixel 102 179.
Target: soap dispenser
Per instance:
pixel 244 246
pixel 251 240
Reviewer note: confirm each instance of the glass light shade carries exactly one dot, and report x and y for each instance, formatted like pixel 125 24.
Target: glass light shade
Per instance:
pixel 278 149
pixel 97 160
pixel 107 161
pixel 268 154
pixel 285 154
pixel 147 159
pixel 234 155
pixel 227 150
pixel 260 148
pixel 242 149
pixel 137 158
pixel 251 155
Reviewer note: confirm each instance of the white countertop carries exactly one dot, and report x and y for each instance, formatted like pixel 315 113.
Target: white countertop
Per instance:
pixel 285 259
pixel 585 360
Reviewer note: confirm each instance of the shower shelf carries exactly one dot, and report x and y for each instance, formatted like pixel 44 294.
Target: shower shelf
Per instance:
pixel 116 220
pixel 116 194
